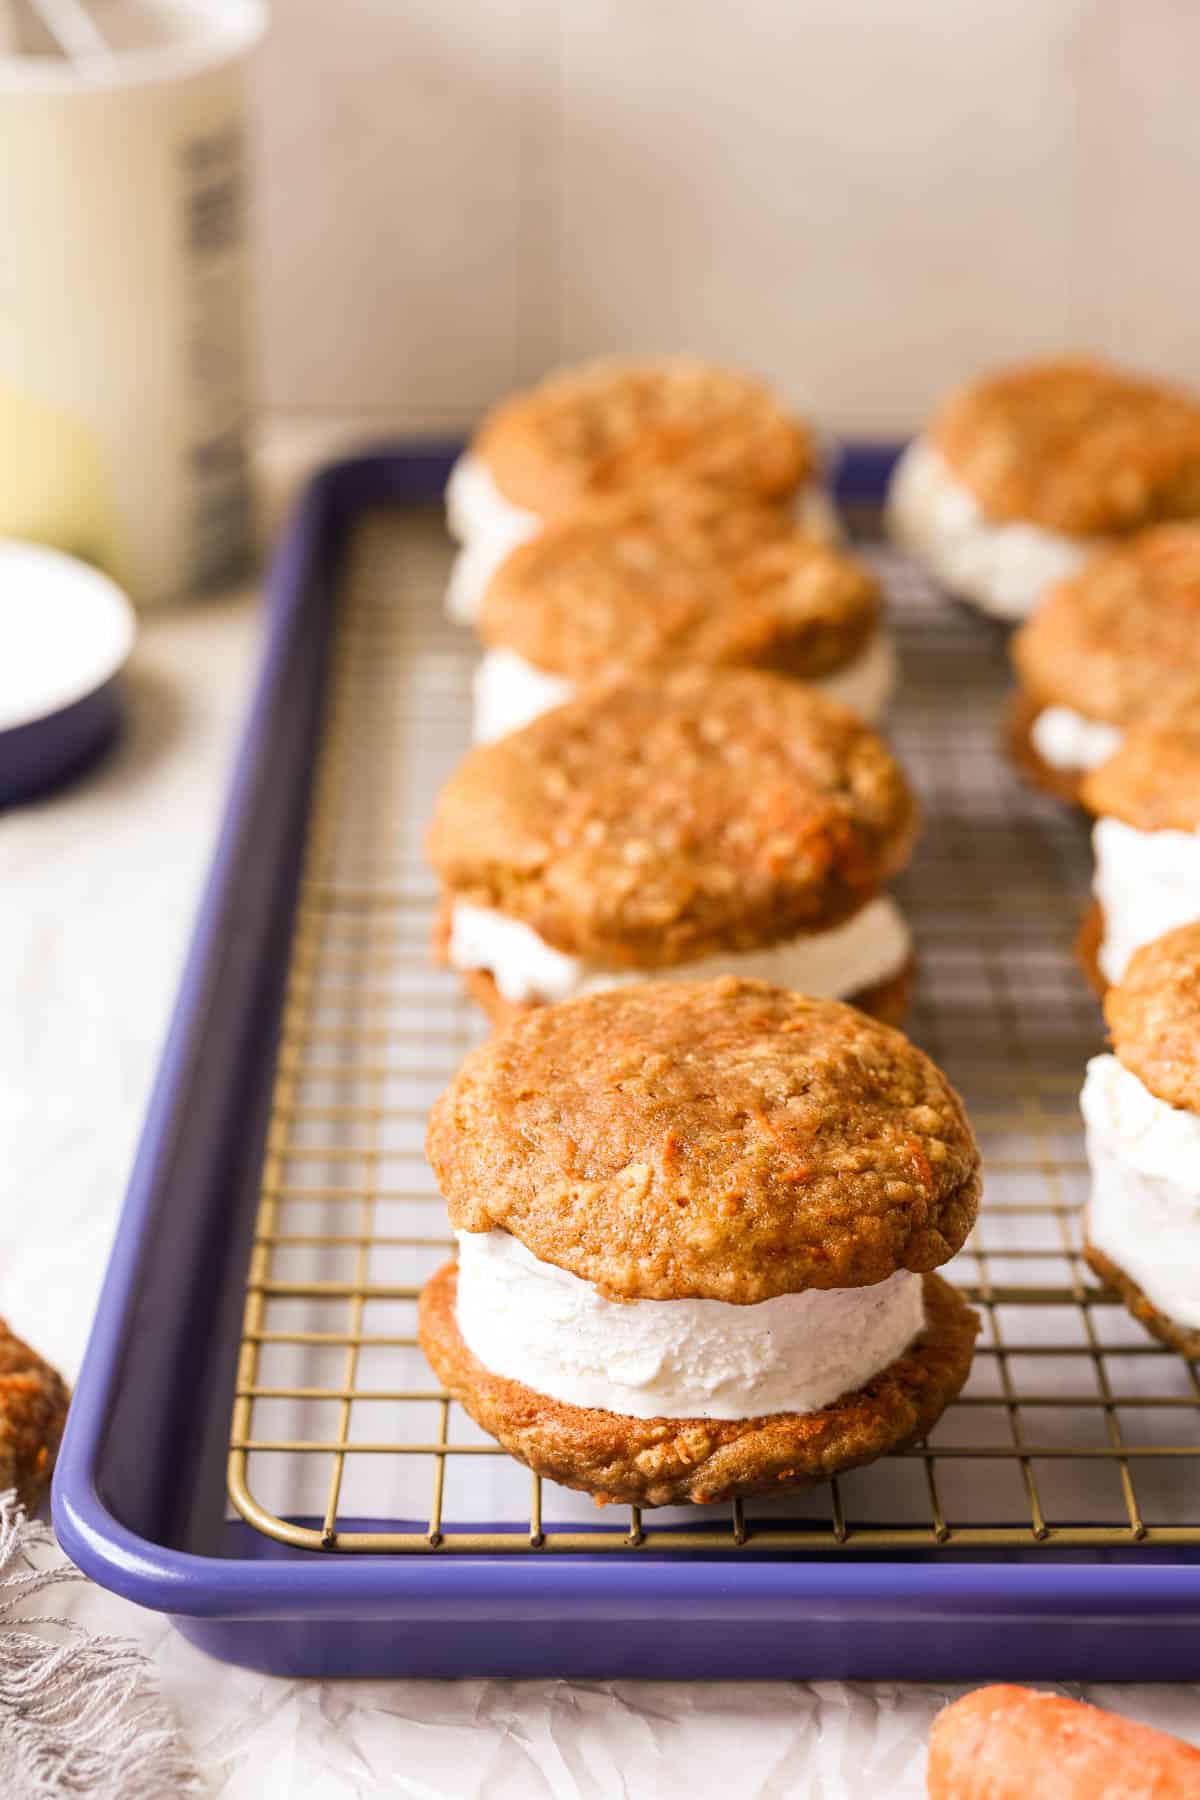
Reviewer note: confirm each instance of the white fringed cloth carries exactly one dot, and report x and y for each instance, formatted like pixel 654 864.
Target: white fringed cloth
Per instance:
pixel 79 1713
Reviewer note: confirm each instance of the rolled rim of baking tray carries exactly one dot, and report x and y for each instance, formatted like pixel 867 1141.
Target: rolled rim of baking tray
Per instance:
pixel 469 1585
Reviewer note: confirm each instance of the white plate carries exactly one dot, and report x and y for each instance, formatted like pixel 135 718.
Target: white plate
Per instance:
pixel 65 631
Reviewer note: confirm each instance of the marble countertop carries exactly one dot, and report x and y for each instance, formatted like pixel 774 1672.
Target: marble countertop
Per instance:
pixel 97 891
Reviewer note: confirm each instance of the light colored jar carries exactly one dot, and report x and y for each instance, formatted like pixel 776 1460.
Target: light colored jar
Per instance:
pixel 125 394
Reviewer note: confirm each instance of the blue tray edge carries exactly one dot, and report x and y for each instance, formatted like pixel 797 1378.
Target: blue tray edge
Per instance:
pixel 508 1615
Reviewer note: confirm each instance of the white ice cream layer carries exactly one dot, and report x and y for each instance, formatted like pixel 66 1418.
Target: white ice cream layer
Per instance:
pixel 828 965
pixel 509 692
pixel 475 507
pixel 489 527
pixel 1067 740
pixel 1147 882
pixel 1144 1211
pixel 1003 567
pixel 675 1359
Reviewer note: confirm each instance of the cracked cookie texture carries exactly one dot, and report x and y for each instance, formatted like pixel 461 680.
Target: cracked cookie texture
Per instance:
pixel 1152 780
pixel 674 573
pixel 1153 1016
pixel 1120 640
pixel 1075 445
pixel 648 824
pixel 722 1140
pixel 610 424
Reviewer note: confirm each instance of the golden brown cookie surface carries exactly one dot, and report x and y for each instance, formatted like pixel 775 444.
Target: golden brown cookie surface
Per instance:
pixel 1151 781
pixel 650 823
pixel 658 1462
pixel 720 1140
pixel 1120 640
pixel 1074 445
pixel 671 574
pixel 1153 1014
pixel 33 1411
pixel 1088 940
pixel 610 425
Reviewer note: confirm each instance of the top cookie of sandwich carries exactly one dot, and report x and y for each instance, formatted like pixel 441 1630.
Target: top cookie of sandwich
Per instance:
pixel 609 425
pixel 720 1140
pixel 1121 639
pixel 674 573
pixel 1153 1014
pixel 1074 445
pixel 650 823
pixel 1152 780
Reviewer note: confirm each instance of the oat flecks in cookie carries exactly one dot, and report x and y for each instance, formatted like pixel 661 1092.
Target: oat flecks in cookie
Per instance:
pixel 662 1462
pixel 1152 781
pixel 1120 640
pixel 33 1411
pixel 671 574
pixel 612 424
pixel 720 1140
pixel 1153 1014
pixel 651 823
pixel 1074 445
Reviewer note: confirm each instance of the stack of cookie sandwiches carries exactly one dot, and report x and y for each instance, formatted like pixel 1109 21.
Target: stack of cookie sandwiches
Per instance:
pixel 1114 644
pixel 1146 839
pixel 1141 1108
pixel 697 1228
pixel 673 573
pixel 1023 474
pixel 610 427
pixel 712 822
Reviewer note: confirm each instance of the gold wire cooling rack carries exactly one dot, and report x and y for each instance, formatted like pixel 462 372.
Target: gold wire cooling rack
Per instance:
pixel 1075 1430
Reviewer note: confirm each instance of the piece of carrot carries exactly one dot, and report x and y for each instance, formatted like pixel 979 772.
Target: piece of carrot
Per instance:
pixel 1012 1743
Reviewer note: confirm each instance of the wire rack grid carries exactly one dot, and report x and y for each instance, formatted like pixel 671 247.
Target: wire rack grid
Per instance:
pixel 1076 1430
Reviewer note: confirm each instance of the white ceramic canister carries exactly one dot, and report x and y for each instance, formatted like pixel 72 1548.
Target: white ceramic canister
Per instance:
pixel 124 305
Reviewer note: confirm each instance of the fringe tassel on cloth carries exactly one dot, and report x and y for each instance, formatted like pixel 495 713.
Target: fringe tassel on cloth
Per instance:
pixel 79 1713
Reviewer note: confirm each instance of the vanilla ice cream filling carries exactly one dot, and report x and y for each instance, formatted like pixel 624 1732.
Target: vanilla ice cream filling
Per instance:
pixel 489 528
pixel 1070 741
pixel 1144 1210
pixel 1147 882
pixel 1003 567
pixel 867 949
pixel 678 1359
pixel 509 692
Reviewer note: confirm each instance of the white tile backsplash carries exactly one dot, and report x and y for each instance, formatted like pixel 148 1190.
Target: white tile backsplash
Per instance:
pixel 391 208
pixel 863 200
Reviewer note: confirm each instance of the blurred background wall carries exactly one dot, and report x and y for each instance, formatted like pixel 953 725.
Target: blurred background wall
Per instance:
pixel 864 198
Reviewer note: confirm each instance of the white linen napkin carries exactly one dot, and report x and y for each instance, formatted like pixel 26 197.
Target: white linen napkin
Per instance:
pixel 79 1713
